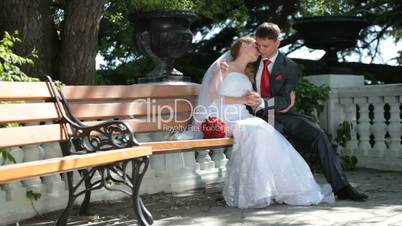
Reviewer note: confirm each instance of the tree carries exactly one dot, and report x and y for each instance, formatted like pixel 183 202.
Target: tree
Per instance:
pixel 232 18
pixel 64 34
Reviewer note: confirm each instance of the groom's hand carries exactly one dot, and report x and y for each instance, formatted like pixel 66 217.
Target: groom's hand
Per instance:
pixel 292 101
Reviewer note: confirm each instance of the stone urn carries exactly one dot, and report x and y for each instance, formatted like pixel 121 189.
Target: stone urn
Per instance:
pixel 330 33
pixel 164 36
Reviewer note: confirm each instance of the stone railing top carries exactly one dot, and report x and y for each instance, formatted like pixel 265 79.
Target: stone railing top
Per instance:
pixel 368 91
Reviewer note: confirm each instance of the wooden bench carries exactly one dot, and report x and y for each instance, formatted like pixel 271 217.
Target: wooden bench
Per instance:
pixel 96 127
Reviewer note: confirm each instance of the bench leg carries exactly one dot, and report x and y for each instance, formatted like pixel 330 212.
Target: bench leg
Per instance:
pixel 74 193
pixel 140 166
pixel 62 221
pixel 84 209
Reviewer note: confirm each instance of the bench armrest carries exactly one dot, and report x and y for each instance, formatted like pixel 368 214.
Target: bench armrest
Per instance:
pixel 90 138
pixel 103 136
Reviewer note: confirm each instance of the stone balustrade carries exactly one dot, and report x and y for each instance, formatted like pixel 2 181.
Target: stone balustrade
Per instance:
pixel 375 113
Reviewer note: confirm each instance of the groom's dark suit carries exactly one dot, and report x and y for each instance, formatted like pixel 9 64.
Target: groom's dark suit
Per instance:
pixel 297 127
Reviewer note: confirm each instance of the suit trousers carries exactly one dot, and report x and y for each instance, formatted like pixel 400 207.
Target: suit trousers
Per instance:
pixel 301 130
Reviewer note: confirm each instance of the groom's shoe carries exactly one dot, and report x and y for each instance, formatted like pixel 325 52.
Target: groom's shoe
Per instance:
pixel 350 193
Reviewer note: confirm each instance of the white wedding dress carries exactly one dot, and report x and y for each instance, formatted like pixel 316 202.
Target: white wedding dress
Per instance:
pixel 263 167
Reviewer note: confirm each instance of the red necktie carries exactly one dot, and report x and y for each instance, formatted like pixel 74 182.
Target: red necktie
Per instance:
pixel 265 82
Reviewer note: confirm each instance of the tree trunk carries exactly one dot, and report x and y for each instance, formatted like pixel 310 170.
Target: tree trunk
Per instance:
pixel 79 39
pixel 33 20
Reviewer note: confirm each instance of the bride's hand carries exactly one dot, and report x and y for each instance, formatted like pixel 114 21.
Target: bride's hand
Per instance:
pixel 224 66
pixel 253 99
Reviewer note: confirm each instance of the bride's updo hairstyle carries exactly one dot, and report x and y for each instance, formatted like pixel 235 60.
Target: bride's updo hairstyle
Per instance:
pixel 235 47
pixel 235 51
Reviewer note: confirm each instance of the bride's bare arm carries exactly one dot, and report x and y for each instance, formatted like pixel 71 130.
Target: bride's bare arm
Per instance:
pixel 235 100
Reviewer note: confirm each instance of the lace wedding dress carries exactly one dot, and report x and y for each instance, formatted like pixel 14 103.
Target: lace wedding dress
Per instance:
pixel 264 167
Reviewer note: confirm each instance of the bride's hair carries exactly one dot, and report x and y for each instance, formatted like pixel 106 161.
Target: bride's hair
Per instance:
pixel 235 51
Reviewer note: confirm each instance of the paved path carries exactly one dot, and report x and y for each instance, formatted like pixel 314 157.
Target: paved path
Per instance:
pixel 206 208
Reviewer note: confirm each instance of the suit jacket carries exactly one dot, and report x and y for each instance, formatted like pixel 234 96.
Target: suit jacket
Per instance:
pixel 283 78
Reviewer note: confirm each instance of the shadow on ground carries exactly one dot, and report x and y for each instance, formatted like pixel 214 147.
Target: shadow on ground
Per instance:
pixel 206 207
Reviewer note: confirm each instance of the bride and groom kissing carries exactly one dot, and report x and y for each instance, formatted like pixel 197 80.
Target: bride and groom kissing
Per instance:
pixel 254 78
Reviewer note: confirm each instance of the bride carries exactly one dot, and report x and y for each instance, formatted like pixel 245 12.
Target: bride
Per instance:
pixel 264 167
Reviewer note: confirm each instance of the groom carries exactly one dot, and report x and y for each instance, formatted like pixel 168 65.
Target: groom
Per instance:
pixel 276 78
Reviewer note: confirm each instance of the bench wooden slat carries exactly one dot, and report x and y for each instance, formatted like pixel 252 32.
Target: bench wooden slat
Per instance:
pixel 163 147
pixel 145 127
pixel 38 91
pixel 129 92
pixel 19 136
pixel 124 110
pixel 26 170
pixel 24 91
pixel 39 112
pixel 27 112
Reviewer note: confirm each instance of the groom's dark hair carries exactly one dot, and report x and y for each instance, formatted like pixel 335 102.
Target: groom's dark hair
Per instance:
pixel 268 30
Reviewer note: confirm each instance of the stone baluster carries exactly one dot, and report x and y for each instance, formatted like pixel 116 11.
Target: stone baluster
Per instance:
pixel 379 127
pixel 363 128
pixel 333 113
pixel 350 116
pixel 14 190
pixel 220 160
pixel 229 152
pixel 395 128
pixel 219 157
pixel 76 176
pixel 174 172
pixel 33 153
pixel 2 193
pixel 54 184
pixel 204 159
pixel 208 172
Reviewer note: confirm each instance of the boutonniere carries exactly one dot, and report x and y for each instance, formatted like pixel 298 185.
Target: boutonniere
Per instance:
pixel 279 77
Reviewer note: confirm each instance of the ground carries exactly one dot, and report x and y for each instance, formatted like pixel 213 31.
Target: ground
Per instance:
pixel 206 208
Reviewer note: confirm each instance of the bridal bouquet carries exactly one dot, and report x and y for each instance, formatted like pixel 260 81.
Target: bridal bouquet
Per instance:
pixel 213 127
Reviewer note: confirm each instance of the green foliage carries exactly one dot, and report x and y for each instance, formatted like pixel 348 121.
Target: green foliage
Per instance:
pixel 4 151
pixel 212 9
pixel 310 98
pixel 6 155
pixel 33 196
pixel 116 35
pixel 326 7
pixel 152 5
pixel 349 162
pixel 125 73
pixel 222 20
pixel 10 62
pixel 10 71
pixel 343 133
pixel 233 10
